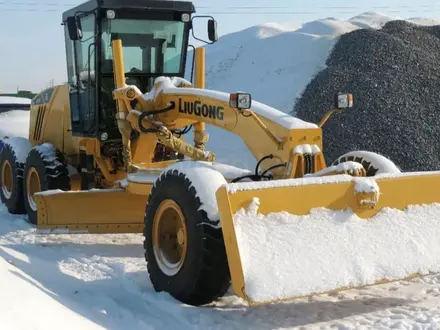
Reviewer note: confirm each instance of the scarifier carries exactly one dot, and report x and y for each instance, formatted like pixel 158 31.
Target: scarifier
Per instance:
pixel 103 157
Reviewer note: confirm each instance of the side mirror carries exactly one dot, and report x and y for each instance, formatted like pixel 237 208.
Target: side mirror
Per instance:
pixel 212 30
pixel 74 28
pixel 344 101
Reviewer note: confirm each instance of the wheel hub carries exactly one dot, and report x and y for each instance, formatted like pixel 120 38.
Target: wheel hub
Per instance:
pixel 169 237
pixel 7 179
pixel 32 186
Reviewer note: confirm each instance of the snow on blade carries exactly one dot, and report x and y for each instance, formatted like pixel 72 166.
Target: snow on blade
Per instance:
pixel 310 180
pixel 366 185
pixel 286 256
pixel 241 186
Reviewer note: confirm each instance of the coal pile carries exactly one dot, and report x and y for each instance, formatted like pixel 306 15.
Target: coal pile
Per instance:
pixel 394 75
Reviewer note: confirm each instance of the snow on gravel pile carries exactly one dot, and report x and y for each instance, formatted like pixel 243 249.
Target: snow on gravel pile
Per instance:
pixel 394 74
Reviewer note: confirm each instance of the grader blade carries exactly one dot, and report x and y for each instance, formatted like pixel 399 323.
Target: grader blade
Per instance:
pixel 94 211
pixel 299 237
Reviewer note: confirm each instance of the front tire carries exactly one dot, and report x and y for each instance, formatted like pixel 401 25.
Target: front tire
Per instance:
pixel 45 169
pixel 184 248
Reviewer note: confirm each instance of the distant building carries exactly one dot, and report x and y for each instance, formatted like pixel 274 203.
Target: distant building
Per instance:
pixel 23 94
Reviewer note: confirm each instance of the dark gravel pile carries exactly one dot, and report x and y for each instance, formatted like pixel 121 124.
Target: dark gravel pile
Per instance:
pixel 394 75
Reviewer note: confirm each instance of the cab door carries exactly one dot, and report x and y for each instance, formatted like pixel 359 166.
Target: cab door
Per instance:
pixel 81 63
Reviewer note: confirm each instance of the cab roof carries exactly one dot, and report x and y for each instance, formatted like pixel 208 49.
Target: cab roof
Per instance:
pixel 162 5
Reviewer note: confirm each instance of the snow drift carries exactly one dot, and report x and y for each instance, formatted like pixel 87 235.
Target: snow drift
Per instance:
pixel 14 123
pixel 14 118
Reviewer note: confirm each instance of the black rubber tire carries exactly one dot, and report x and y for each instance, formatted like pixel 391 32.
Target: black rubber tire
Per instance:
pixel 204 275
pixel 15 202
pixel 52 171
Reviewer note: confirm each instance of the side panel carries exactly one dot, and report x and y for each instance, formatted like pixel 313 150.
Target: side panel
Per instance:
pixel 47 117
pixel 50 120
pixel 34 112
pixel 54 126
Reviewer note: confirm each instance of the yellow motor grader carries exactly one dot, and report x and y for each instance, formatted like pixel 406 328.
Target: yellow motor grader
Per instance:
pixel 107 153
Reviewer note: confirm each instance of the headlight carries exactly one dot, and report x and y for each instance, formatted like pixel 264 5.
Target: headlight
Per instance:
pixel 240 100
pixel 344 101
pixel 111 14
pixel 185 18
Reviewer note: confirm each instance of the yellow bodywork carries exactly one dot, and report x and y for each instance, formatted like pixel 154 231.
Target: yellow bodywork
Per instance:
pixel 396 192
pixel 260 134
pixel 106 211
pixel 122 208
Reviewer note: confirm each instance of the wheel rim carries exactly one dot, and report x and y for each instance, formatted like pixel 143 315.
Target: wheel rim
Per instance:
pixel 32 187
pixel 7 179
pixel 169 237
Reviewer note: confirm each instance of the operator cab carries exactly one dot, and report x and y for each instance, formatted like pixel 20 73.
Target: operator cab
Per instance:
pixel 154 36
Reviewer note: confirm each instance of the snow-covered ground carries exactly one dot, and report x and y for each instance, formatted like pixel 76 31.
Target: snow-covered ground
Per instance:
pixel 14 122
pixel 101 282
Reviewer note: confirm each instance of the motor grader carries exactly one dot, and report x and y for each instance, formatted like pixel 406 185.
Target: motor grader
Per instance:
pixel 107 152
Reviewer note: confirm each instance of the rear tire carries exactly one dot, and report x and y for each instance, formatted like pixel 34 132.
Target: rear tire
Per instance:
pixel 45 169
pixel 373 163
pixel 200 273
pixel 11 173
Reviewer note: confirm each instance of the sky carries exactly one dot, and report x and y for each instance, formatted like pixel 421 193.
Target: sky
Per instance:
pixel 32 54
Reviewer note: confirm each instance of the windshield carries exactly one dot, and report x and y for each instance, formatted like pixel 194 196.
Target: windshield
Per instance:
pixel 149 46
